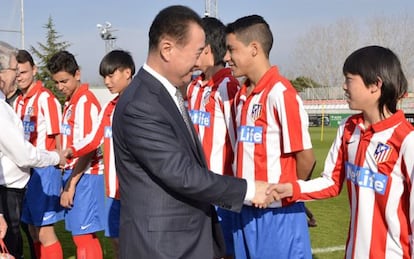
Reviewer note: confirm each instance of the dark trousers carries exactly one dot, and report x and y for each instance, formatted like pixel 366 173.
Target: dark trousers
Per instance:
pixel 11 204
pixel 25 228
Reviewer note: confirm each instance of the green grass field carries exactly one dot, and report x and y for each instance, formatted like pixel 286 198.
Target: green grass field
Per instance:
pixel 331 215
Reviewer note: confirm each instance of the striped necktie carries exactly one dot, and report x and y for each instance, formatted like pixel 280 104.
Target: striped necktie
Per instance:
pixel 184 112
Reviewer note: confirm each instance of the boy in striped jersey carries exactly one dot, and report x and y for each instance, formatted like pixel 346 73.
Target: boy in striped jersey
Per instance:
pixel 373 155
pixel 210 102
pixel 80 114
pixel 117 69
pixel 273 144
pixel 41 114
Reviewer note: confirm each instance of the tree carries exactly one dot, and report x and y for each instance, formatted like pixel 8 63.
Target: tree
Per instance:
pixel 321 52
pixel 300 83
pixel 396 33
pixel 45 52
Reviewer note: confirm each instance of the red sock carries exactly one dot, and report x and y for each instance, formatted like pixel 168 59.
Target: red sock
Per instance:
pixel 52 251
pixel 98 248
pixel 87 247
pixel 37 248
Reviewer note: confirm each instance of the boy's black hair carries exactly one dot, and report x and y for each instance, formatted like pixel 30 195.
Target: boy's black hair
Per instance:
pixel 62 61
pixel 252 28
pixel 215 32
pixel 24 56
pixel 116 59
pixel 373 63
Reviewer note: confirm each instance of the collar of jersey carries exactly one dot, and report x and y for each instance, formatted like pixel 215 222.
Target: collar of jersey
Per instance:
pixel 34 90
pixel 268 79
pixel 81 90
pixel 383 124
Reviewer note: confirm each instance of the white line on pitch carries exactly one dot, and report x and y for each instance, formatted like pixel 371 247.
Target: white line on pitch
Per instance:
pixel 327 249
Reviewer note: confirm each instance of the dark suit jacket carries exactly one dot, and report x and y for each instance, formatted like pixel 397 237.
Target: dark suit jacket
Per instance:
pixel 165 187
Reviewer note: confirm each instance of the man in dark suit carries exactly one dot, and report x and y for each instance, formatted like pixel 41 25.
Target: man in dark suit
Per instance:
pixel 166 190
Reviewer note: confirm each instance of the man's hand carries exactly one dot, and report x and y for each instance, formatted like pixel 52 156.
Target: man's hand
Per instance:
pixel 262 199
pixel 280 190
pixel 3 227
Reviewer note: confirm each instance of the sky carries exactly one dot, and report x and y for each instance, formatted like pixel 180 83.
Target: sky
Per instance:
pixel 76 22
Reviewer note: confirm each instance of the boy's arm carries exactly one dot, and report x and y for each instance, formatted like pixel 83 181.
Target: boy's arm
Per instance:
pixel 66 198
pixel 87 115
pixel 305 162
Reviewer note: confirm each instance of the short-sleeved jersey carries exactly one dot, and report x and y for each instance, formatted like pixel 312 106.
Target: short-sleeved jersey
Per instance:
pixel 41 114
pixel 211 107
pixel 102 134
pixel 377 165
pixel 272 125
pixel 80 114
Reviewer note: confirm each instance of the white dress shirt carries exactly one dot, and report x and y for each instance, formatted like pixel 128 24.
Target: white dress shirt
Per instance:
pixel 17 155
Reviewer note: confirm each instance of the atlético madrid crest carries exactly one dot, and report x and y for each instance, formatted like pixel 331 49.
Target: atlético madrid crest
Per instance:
pixel 256 111
pixel 382 152
pixel 206 97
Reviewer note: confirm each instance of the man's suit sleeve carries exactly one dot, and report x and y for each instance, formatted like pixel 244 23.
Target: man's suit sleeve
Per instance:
pixel 163 151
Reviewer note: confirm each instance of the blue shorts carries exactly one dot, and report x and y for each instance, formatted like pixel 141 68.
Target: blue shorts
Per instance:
pixel 225 218
pixel 41 204
pixel 88 212
pixel 112 209
pixel 272 233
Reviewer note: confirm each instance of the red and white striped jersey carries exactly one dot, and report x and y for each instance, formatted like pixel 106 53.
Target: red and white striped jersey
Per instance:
pixel 41 114
pixel 102 134
pixel 211 108
pixel 272 125
pixel 80 114
pixel 377 165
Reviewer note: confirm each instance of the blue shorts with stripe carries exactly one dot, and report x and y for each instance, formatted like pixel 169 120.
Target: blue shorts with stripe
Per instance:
pixel 112 209
pixel 41 204
pixel 272 233
pixel 87 214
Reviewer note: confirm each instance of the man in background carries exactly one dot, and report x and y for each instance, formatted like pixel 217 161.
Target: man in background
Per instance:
pixel 17 156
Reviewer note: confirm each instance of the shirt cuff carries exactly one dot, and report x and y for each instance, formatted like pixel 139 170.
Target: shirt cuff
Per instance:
pixel 74 151
pixel 251 190
pixel 296 191
pixel 55 157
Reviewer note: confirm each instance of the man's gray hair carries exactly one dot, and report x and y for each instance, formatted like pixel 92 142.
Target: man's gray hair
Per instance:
pixel 6 51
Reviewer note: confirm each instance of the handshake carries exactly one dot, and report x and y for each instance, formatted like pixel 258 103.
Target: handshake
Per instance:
pixel 267 193
pixel 63 155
